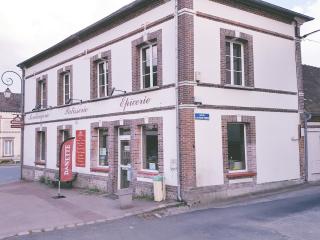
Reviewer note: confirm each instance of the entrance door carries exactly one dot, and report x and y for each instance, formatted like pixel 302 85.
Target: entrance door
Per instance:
pixel 314 155
pixel 124 162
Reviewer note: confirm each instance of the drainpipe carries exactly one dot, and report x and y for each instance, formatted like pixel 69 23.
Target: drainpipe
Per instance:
pixel 306 117
pixel 177 104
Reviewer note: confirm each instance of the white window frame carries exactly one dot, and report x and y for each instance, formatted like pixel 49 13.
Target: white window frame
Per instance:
pixel 9 153
pixel 150 45
pixel 64 86
pixel 106 77
pixel 42 89
pixel 42 139
pixel 143 153
pixel 245 149
pixel 232 42
pixel 99 165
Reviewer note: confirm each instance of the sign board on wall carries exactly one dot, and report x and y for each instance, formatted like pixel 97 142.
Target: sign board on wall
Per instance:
pixel 202 116
pixel 81 148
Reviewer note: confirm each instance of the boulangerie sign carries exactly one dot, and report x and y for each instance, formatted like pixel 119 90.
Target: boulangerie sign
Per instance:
pixel 66 160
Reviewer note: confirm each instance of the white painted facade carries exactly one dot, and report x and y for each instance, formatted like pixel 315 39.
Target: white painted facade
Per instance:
pixel 277 147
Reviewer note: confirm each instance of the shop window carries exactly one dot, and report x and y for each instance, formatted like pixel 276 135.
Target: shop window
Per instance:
pixel 149 65
pixel 64 135
pixel 42 146
pixel 103 147
pixel 234 63
pixel 7 147
pixel 237 147
pixel 150 147
pixel 66 88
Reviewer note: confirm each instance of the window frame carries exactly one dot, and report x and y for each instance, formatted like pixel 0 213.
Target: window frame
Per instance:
pixel 150 45
pixel 98 149
pixel 245 148
pixel 105 63
pixel 42 145
pixel 232 70
pixel 144 152
pixel 11 152
pixel 64 87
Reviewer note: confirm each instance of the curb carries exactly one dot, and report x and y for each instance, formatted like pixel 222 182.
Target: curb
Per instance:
pixel 104 220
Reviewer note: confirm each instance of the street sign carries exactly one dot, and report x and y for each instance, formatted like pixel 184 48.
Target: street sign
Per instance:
pixel 202 116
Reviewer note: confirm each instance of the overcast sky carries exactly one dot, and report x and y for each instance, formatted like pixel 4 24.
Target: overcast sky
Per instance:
pixel 29 27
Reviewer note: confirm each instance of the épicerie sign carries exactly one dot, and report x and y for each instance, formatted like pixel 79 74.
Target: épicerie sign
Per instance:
pixel 128 102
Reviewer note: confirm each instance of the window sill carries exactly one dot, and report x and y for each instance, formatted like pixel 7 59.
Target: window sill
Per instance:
pixel 148 173
pixel 236 175
pixel 100 170
pixel 238 87
pixel 40 163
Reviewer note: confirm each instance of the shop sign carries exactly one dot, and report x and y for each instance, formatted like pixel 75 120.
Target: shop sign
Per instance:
pixel 75 110
pixel 81 148
pixel 66 160
pixel 16 122
pixel 202 116
pixel 38 116
pixel 127 102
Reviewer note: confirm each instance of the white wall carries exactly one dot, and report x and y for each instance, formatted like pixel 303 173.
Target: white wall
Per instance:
pixel 276 150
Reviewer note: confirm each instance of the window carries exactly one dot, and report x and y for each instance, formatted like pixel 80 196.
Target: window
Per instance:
pixel 42 94
pixel 103 147
pixel 64 135
pixel 8 148
pixel 235 63
pixel 237 147
pixel 150 147
pixel 66 88
pixel 149 57
pixel 103 81
pixel 42 145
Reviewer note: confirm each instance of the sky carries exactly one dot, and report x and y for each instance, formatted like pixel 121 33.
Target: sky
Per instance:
pixel 29 27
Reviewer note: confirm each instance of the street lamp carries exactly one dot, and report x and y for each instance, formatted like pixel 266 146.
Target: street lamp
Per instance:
pixel 308 34
pixel 7 79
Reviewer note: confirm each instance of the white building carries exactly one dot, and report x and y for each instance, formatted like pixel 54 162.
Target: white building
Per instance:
pixel 217 114
pixel 9 135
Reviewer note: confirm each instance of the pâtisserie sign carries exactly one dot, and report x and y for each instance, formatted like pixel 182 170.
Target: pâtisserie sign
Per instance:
pixel 128 102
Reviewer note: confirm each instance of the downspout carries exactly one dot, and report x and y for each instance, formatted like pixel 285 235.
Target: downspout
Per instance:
pixel 22 127
pixel 306 117
pixel 177 103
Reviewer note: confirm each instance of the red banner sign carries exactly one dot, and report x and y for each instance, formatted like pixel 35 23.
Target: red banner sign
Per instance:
pixel 81 148
pixel 66 160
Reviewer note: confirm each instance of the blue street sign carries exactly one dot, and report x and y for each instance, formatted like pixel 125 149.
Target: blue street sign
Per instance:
pixel 202 116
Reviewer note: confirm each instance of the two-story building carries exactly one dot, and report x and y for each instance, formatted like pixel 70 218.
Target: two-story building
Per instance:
pixel 10 109
pixel 206 93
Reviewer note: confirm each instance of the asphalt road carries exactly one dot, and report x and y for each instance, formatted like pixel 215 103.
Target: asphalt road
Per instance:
pixel 9 174
pixel 292 217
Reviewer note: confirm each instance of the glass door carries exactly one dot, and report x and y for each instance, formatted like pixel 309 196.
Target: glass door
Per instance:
pixel 124 173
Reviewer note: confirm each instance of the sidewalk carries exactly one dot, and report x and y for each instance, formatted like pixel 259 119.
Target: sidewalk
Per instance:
pixel 29 207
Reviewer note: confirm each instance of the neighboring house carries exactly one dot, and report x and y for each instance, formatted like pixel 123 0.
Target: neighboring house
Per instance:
pixel 202 92
pixel 311 84
pixel 9 137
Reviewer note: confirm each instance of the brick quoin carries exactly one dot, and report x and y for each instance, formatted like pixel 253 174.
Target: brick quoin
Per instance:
pixel 186 97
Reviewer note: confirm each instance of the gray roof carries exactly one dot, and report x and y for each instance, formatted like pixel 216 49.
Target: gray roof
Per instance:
pixel 13 104
pixel 130 9
pixel 311 86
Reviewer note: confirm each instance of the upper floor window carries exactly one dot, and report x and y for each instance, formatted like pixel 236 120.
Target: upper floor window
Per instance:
pixel 41 101
pixel 235 63
pixel 103 78
pixel 65 85
pixel 237 58
pixel 149 65
pixel 66 88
